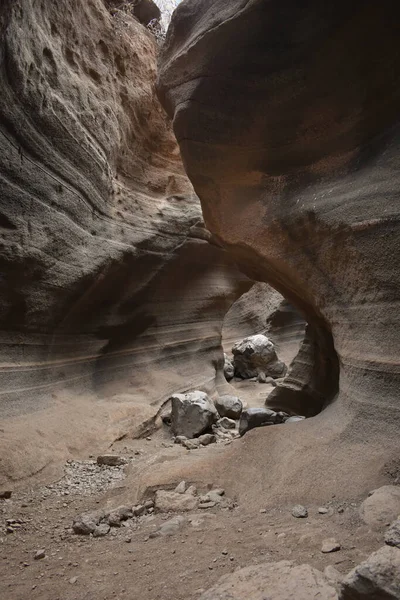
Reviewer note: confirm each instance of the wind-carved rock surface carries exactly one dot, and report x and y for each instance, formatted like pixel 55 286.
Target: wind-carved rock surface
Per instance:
pixel 287 119
pixel 109 283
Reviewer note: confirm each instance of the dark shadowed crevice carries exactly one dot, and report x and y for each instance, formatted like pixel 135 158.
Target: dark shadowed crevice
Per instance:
pixel 313 378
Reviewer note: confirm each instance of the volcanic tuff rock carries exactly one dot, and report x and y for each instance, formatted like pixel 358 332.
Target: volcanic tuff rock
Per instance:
pixel 254 355
pixel 276 581
pixel 192 414
pixel 287 119
pixel 108 279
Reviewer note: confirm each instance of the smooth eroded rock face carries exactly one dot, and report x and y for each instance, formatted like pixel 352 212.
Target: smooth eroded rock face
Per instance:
pixel 381 507
pixel 275 581
pixel 109 282
pixel 377 578
pixel 192 414
pixel 289 129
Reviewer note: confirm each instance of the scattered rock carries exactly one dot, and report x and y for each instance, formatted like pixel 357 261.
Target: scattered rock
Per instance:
pixel 101 530
pixel 256 354
pixel 191 490
pixel 179 439
pixel 192 414
pixel 110 460
pixel 381 507
pixel 207 504
pixel 392 536
pixel 330 545
pixel 191 444
pixel 121 513
pixel 229 406
pixel 322 510
pixel 5 494
pixel 180 488
pixel 226 423
pixel 255 417
pixel 294 419
pixel 207 438
pixel 299 511
pixel 377 578
pixel 229 369
pixel 273 581
pixel 172 502
pixel 39 554
pixel 86 523
pixel 170 527
pixel 333 577
pixel 138 510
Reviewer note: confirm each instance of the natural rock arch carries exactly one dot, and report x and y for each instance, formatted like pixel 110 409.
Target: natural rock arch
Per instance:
pixel 287 119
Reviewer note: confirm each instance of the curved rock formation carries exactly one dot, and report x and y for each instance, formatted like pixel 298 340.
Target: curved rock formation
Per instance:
pixel 112 296
pixel 287 119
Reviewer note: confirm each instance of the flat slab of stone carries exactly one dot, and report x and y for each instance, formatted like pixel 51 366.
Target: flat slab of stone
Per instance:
pixel 174 502
pixel 381 507
pixel 273 581
pixel 377 578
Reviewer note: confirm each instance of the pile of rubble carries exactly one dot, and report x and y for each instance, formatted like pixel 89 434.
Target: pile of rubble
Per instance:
pixel 183 498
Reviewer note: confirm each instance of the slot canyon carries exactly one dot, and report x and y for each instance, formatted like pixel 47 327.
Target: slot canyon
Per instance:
pixel 200 293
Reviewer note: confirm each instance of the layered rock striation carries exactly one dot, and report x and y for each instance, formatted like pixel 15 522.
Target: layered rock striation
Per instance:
pixel 112 294
pixel 287 119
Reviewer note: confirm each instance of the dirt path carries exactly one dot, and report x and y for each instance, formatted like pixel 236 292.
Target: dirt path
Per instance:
pixel 127 563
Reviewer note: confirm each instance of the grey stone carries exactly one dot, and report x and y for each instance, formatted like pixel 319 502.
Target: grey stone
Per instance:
pixel 5 494
pixel 256 354
pixel 169 528
pixel 272 581
pixel 206 439
pixel 39 554
pixel 179 439
pixel 330 545
pixel 86 523
pixel 172 502
pixel 322 510
pixel 110 460
pixel 295 419
pixel 226 423
pixel 101 530
pixel 381 507
pixel 180 488
pixel 255 417
pixel 229 369
pixel 229 406
pixel 207 504
pixel 138 510
pixel 333 576
pixel 299 511
pixel 377 578
pixel 121 513
pixel 192 414
pixel 191 490
pixel 191 444
pixel 392 535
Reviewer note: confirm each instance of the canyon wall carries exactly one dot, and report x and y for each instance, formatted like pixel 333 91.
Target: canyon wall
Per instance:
pixel 112 291
pixel 287 119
